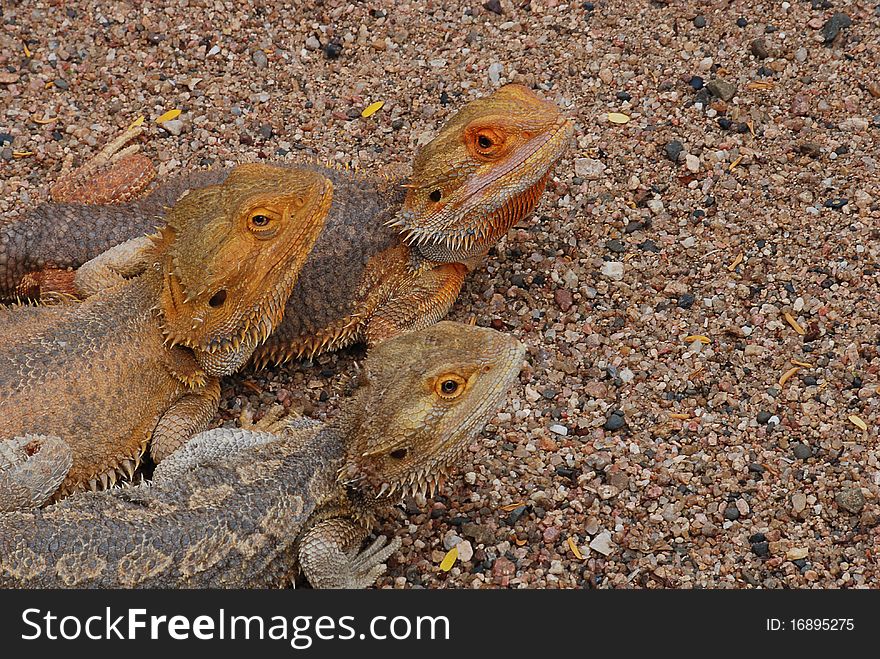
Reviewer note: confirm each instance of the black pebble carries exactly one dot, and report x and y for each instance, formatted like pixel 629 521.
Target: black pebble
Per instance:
pixel 764 417
pixel 761 549
pixel 741 22
pixel 515 514
pixel 5 139
pixel 673 150
pixel 731 513
pixel 649 246
pixel 623 96
pixel 615 421
pixel 696 82
pixel 724 123
pixel 615 246
pixel 700 21
pixel 802 451
pixel 686 301
pixel 265 131
pixel 757 537
pixel 836 203
pixel 333 49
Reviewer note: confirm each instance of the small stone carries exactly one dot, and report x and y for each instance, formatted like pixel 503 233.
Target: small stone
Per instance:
pixel 759 48
pixel 798 502
pixel 615 422
pixel 588 168
pixel 612 270
pixel 515 514
pixel 700 22
pixel 764 417
pixel 173 126
pixel 686 301
pixel 450 541
pixel 836 203
pixel 333 49
pixel 312 43
pixel 802 451
pixel 563 298
pixel 556 567
pixel 6 153
pixel 722 89
pixel 481 535
pixel 61 83
pixel 761 549
pixel 602 543
pixel 615 246
pixel 697 83
pixel 692 163
pixel 495 71
pixel 258 57
pixel 851 499
pixel 503 567
pixel 465 551
pixel 494 6
pixel 796 553
pixel 673 150
pixel 558 429
pixel 741 22
pixel 834 25
pixel 265 131
pixel 6 139
pixel 731 513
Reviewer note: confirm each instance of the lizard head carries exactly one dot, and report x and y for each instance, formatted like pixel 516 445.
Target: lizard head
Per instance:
pixel 422 399
pixel 484 172
pixel 229 258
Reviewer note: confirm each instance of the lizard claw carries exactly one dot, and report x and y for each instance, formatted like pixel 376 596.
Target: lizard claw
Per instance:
pixel 369 565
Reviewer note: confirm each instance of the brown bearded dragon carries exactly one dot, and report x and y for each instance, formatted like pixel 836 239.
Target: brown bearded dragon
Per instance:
pixel 394 252
pixel 139 362
pixel 237 508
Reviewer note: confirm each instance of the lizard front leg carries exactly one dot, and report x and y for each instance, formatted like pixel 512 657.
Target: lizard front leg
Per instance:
pixel 114 266
pixel 190 415
pixel 420 301
pixel 329 558
pixel 32 467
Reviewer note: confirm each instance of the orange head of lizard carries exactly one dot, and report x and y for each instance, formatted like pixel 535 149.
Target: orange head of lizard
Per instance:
pixel 229 258
pixel 484 172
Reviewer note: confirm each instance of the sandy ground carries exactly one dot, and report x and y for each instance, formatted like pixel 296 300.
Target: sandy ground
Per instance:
pixel 698 287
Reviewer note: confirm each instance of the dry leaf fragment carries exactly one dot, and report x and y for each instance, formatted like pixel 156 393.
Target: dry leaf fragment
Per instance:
pixel 787 375
pixel 857 422
pixel 617 118
pixel 520 543
pixel 27 51
pixel 168 116
pixel 512 506
pixel 22 154
pixel 697 337
pixel 679 415
pixel 137 122
pixel 794 324
pixel 739 257
pixel 372 109
pixel 760 84
pixel 797 362
pixel 574 549
pixel 449 560
pixel 43 122
pixel 734 164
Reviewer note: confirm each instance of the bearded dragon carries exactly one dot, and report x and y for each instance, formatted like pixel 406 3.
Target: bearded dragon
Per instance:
pixel 139 362
pixel 395 250
pixel 237 508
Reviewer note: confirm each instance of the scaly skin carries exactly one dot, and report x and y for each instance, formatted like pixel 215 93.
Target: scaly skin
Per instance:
pixel 237 508
pixel 395 251
pixel 140 361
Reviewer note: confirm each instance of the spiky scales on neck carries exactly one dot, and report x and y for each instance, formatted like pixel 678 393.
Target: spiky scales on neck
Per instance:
pixel 485 170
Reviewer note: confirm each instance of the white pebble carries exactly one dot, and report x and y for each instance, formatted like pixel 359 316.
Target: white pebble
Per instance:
pixel 613 270
pixel 602 543
pixel 692 163
pixel 559 429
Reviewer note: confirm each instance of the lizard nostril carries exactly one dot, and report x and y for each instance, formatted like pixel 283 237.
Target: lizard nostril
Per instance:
pixel 218 298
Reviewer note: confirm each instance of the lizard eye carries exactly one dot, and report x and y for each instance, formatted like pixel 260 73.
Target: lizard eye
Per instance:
pixel 487 143
pixel 398 454
pixel 218 299
pixel 484 141
pixel 436 196
pixel 263 222
pixel 450 386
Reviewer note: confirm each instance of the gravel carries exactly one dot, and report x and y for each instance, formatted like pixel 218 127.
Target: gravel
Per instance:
pixel 643 494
